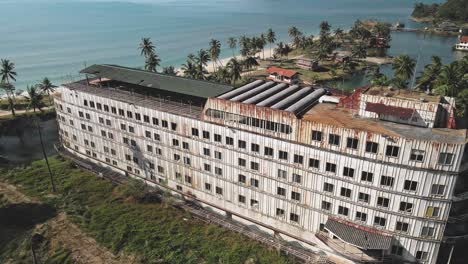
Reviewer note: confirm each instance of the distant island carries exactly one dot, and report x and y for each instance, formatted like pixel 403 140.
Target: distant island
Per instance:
pixel 452 10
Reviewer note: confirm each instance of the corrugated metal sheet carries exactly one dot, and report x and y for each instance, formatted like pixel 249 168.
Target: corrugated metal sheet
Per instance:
pixel 265 94
pixel 286 102
pixel 279 96
pixel 389 110
pixel 252 92
pixel 362 237
pixel 241 89
pixel 306 102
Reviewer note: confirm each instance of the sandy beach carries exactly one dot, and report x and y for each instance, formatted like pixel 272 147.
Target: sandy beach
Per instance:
pixel 222 62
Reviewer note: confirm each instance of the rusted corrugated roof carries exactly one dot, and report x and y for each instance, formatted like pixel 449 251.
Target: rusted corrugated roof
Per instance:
pixel 389 110
pixel 282 72
pixel 360 236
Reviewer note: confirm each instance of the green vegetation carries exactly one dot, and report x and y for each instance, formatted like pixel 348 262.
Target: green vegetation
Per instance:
pixel 26 117
pixel 447 80
pixel 34 100
pixel 147 49
pixel 20 104
pixel 8 74
pixel 455 10
pixel 360 41
pixel 125 223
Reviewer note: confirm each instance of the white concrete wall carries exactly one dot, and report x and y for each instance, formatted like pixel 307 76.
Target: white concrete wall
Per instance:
pixel 311 188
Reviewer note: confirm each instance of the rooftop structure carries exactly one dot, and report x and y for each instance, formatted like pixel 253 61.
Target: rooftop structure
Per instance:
pixel 276 96
pixel 164 82
pixel 356 170
pixel 282 75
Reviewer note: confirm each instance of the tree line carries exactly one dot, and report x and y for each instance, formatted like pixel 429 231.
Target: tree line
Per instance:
pixel 35 93
pixel 445 80
pixel 456 10
pixel 321 47
pixel 196 64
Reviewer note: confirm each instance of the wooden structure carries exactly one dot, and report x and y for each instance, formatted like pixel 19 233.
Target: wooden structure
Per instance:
pixel 307 64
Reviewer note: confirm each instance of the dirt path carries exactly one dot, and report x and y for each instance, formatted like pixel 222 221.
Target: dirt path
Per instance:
pixel 62 233
pixel 12 194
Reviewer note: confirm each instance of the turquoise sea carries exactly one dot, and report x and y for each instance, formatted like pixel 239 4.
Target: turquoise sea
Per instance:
pixel 56 38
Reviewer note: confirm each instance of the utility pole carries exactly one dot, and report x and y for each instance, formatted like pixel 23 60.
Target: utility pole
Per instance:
pixel 45 157
pixel 450 255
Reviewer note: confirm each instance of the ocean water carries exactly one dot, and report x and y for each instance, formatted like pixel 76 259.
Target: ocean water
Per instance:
pixel 57 38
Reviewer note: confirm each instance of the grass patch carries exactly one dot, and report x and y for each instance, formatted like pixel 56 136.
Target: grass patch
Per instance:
pixel 45 113
pixel 23 103
pixel 155 232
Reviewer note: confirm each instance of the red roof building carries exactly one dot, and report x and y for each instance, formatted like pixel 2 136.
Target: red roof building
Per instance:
pixel 282 75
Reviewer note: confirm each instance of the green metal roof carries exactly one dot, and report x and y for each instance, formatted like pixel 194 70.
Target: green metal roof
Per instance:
pixel 176 84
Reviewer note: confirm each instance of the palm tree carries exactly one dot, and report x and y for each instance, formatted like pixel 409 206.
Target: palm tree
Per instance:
pixel 152 62
pixel 382 81
pixel 189 68
pixel 373 73
pixel 403 66
pixel 294 34
pixel 250 62
pixel 322 53
pixel 222 75
pixel 450 80
pixel 271 38
pixel 359 50
pixel 232 43
pixel 215 50
pixel 262 42
pixel 338 33
pixel 146 46
pixel 375 77
pixel 202 60
pixel 244 44
pixel 169 70
pixel 324 28
pixel 35 98
pixel 279 49
pixel 7 73
pixel 46 86
pixel 383 30
pixel 234 70
pixel 430 73
pixel 256 44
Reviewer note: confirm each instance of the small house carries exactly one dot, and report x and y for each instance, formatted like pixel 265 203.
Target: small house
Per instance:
pixel 307 64
pixel 282 75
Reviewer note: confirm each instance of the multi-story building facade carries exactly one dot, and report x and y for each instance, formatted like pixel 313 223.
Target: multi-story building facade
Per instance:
pixel 272 155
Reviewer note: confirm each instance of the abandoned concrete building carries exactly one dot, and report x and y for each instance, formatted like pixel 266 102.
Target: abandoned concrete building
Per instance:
pixel 379 173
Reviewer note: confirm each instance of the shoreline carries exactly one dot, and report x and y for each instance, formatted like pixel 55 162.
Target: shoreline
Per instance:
pixel 269 52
